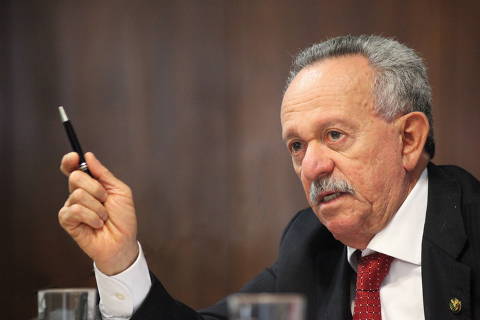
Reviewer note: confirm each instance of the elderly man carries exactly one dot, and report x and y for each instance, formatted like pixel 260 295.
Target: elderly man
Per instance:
pixel 388 235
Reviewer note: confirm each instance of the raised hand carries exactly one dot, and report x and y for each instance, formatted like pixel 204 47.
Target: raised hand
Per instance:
pixel 99 214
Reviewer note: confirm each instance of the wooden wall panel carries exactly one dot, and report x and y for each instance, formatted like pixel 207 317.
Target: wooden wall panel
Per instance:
pixel 181 100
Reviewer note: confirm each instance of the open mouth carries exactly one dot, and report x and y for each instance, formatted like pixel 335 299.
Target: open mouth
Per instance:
pixel 326 197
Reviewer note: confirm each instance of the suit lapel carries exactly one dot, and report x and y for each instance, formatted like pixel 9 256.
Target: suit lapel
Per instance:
pixel 336 304
pixel 314 264
pixel 443 276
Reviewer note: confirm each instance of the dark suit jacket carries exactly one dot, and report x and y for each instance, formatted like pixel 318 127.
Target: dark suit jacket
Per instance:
pixel 313 263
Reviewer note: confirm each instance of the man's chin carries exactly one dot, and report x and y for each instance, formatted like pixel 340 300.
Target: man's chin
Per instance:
pixel 346 229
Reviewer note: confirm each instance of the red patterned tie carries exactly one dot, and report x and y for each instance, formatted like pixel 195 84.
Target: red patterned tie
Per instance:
pixel 371 271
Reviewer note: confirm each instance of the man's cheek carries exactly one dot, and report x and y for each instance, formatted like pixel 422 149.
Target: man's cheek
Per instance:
pixel 306 189
pixel 298 170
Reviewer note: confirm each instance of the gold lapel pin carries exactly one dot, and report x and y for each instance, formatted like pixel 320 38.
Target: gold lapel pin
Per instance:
pixel 455 305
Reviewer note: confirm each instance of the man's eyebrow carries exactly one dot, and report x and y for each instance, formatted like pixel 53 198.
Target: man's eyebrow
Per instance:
pixel 289 133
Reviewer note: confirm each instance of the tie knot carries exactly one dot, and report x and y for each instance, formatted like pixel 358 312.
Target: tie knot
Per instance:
pixel 371 271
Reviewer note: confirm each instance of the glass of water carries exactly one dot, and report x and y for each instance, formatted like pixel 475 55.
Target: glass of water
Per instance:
pixel 67 304
pixel 266 306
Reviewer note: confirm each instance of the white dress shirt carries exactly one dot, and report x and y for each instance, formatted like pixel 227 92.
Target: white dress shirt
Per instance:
pixel 401 295
pixel 401 291
pixel 123 293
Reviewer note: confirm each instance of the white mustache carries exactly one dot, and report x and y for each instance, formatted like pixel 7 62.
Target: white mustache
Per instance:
pixel 328 184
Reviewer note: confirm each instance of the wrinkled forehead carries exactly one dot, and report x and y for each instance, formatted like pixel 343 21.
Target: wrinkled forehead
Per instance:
pixel 330 78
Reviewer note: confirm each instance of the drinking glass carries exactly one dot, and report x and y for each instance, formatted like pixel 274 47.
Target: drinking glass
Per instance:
pixel 67 304
pixel 266 306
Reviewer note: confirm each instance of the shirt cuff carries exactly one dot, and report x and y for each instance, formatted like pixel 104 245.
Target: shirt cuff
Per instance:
pixel 123 293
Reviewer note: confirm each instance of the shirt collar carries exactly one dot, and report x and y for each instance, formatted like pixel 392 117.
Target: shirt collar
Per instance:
pixel 402 237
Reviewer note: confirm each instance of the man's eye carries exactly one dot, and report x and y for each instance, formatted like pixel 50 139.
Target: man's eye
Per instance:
pixel 295 146
pixel 334 135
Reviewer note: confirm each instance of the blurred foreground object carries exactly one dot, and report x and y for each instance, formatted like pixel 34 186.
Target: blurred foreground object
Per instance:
pixel 264 306
pixel 67 304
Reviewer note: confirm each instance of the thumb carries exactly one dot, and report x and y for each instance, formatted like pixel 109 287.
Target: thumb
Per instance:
pixel 102 174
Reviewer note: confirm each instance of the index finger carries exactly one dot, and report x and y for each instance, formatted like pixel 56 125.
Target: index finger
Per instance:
pixel 80 180
pixel 69 163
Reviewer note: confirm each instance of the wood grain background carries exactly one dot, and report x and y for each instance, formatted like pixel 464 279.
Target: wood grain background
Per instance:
pixel 181 100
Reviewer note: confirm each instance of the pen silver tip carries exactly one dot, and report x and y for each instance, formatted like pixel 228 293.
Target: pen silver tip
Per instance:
pixel 63 115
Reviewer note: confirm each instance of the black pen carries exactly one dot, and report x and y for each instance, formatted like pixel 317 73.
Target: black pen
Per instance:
pixel 72 137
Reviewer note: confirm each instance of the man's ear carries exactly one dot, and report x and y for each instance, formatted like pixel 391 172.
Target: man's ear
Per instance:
pixel 414 129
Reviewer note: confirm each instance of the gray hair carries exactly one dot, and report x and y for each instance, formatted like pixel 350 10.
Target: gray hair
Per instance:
pixel 401 83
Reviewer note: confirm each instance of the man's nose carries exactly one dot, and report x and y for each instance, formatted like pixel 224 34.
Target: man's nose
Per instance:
pixel 317 162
